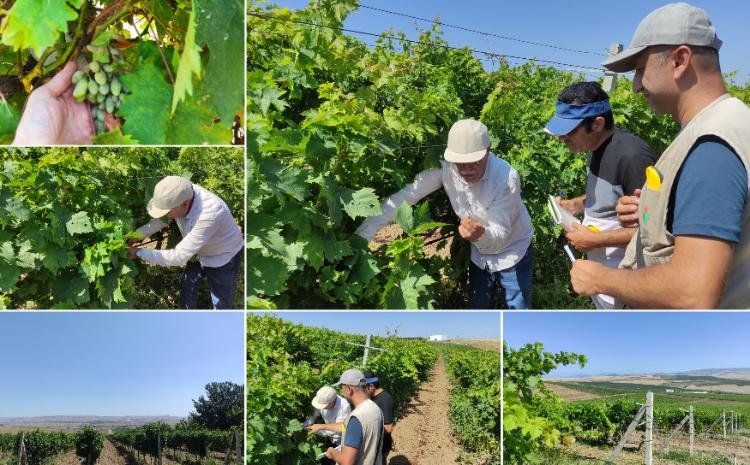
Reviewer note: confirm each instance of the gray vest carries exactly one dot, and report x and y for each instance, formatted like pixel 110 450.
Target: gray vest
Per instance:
pixel 729 119
pixel 371 419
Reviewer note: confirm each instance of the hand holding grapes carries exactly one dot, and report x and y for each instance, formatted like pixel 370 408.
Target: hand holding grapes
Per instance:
pixel 53 117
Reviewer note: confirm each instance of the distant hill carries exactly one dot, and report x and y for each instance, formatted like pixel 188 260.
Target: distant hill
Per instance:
pixel 75 421
pixel 727 373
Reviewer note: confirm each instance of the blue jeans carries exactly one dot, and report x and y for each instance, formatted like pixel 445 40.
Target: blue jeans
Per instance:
pixel 514 282
pixel 222 283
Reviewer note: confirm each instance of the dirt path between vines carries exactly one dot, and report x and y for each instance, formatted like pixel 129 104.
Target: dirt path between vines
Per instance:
pixel 422 435
pixel 109 456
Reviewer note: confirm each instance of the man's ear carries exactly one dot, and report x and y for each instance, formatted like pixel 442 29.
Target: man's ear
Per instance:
pixel 599 123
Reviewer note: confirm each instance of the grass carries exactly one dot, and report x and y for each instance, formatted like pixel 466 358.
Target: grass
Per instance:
pixel 696 459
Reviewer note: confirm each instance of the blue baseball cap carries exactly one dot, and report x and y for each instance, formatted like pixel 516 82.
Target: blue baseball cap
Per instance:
pixel 568 116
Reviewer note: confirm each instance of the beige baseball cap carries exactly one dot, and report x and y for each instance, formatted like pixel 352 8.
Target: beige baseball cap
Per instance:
pixel 468 141
pixel 673 24
pixel 323 397
pixel 170 192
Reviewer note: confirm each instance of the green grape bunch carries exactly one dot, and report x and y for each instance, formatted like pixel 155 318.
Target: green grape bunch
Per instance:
pixel 98 80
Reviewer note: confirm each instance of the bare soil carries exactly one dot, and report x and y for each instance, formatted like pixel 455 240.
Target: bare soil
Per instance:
pixel 738 445
pixel 423 435
pixel 109 456
pixel 390 232
pixel 483 344
pixel 568 394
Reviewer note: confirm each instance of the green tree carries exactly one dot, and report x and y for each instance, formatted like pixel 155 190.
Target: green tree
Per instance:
pixel 221 408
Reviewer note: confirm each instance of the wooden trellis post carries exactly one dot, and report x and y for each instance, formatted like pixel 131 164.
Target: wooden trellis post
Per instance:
pixel 649 428
pixel 238 448
pixel 22 449
pixel 724 422
pixel 691 427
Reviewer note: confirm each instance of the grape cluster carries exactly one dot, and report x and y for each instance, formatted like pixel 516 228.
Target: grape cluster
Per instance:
pixel 98 81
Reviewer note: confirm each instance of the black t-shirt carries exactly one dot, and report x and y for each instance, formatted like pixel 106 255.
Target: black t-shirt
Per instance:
pixel 385 402
pixel 616 168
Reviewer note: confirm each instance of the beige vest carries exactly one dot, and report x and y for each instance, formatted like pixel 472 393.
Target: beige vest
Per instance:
pixel 729 119
pixel 371 418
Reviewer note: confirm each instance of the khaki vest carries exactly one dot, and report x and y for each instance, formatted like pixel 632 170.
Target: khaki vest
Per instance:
pixel 729 119
pixel 371 419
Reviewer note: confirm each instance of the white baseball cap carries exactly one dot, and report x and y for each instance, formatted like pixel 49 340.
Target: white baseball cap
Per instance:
pixel 170 192
pixel 325 396
pixel 673 24
pixel 468 141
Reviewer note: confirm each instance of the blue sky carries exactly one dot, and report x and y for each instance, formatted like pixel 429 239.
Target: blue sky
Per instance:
pixel 116 363
pixel 584 26
pixel 464 324
pixel 637 342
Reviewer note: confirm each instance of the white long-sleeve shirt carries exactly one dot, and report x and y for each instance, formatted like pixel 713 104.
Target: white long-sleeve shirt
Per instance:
pixel 337 414
pixel 494 201
pixel 208 230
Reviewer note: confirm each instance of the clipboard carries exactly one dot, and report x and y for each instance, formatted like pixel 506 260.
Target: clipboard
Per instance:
pixel 560 215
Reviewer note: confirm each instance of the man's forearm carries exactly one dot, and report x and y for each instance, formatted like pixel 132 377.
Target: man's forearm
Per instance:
pixel 615 238
pixel 693 279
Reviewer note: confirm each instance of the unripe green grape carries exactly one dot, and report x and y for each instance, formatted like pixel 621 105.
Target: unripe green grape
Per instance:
pixel 93 87
pixel 94 66
pixel 100 98
pixel 100 78
pixel 108 68
pixel 115 86
pixel 104 89
pixel 79 93
pixel 91 97
pixel 77 76
pixel 110 105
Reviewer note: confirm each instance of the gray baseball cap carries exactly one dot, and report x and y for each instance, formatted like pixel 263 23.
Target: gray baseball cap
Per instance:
pixel 351 377
pixel 673 24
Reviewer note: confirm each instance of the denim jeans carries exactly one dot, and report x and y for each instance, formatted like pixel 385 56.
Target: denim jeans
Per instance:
pixel 222 283
pixel 514 282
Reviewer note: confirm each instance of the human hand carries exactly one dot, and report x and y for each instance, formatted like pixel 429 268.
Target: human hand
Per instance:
pixel 53 117
pixel 315 428
pixel 572 205
pixel 132 252
pixel 470 229
pixel 627 209
pixel 329 453
pixel 584 275
pixel 582 238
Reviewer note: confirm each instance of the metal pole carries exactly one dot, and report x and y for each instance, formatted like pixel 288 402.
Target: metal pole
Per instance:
pixel 731 424
pixel 691 426
pixel 649 427
pixel 367 351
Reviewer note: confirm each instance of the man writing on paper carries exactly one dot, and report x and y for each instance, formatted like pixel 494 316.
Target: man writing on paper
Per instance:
pixel 485 193
pixel 692 246
pixel 616 163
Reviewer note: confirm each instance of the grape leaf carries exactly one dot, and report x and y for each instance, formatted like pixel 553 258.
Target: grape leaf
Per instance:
pixel 404 217
pixel 266 275
pixel 114 137
pixel 362 203
pixel 220 25
pixel 190 63
pixel 9 272
pixel 146 109
pixel 79 223
pixel 10 114
pixel 37 24
pixel 73 288
pixel 194 123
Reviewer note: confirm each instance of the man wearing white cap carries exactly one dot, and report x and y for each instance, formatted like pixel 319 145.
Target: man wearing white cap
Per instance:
pixel 692 248
pixel 333 409
pixel 485 193
pixel 362 440
pixel 208 231
pixel 616 165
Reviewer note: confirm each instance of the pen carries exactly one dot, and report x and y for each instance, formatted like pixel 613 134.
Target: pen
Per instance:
pixel 569 252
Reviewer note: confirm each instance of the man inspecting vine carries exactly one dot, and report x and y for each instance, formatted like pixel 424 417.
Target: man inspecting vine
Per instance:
pixel 209 231
pixel 485 193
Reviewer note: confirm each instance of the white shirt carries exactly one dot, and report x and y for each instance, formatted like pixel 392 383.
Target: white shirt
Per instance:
pixel 494 201
pixel 337 414
pixel 208 230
